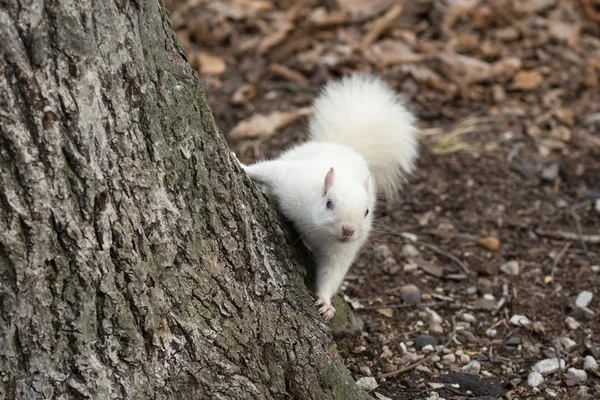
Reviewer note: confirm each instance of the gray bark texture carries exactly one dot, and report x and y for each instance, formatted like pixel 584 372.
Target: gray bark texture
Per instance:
pixel 136 260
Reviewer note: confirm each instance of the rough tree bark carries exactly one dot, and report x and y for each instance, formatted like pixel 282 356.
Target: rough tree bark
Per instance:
pixel 136 261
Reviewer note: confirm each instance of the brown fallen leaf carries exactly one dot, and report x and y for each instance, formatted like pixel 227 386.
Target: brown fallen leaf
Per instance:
pixel 386 312
pixel 261 126
pixel 210 64
pixel 527 80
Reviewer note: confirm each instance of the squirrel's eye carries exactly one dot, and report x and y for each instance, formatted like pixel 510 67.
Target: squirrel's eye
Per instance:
pixel 329 204
pixel 367 212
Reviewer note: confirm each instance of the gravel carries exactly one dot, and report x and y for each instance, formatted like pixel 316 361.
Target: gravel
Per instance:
pixel 576 374
pixel 584 299
pixel 472 368
pixel 548 366
pixel 590 364
pixel 534 379
pixel 424 340
pixel 519 320
pixel 367 383
pixel 510 268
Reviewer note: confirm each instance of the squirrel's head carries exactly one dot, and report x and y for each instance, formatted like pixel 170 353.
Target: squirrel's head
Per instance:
pixel 344 210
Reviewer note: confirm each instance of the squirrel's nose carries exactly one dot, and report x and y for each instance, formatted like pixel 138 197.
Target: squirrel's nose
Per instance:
pixel 347 230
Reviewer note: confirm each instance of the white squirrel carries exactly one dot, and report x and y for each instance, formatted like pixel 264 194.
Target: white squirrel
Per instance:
pixel 362 141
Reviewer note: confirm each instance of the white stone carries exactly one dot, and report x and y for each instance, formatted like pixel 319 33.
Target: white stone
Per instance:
pixel 435 359
pixel 511 268
pixel 576 374
pixel 572 323
pixel 468 317
pixel 366 371
pixel 519 320
pixel 367 383
pixel 489 297
pixel 451 358
pixel 566 343
pixel 590 363
pixel 548 366
pixel 465 359
pixel 408 250
pixel 472 368
pixel 534 379
pixel 491 333
pixel 409 267
pixel 428 349
pixel 409 236
pixel 584 299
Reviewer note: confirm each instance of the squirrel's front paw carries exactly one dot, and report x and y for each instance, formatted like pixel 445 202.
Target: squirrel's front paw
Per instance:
pixel 325 307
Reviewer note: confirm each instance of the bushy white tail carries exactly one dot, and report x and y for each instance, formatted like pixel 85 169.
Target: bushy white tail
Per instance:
pixel 363 112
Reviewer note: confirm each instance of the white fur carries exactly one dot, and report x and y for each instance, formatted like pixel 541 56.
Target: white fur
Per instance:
pixel 363 112
pixel 362 132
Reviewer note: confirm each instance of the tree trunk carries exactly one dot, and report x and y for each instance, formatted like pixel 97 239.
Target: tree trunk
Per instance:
pixel 136 261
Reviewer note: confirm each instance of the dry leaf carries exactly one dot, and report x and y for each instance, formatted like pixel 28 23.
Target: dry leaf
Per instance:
pixel 386 312
pixel 260 125
pixel 527 80
pixel 211 64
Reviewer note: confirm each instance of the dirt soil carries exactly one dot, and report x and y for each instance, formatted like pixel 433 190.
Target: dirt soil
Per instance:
pixel 508 98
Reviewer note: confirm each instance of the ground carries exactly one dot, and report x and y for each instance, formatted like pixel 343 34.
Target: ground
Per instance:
pixel 508 99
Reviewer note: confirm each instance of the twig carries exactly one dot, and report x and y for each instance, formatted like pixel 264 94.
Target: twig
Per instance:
pixel 381 24
pixel 594 239
pixel 422 360
pixel 436 249
pixel 433 248
pixel 402 305
pixel 557 259
pixel 580 233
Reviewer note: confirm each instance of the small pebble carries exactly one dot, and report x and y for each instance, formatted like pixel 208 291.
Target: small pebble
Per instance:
pixel 382 251
pixel 435 329
pixel 484 285
pixel 459 352
pixel 566 343
pixel 367 383
pixel 576 374
pixel 435 359
pixel 511 268
pixel 410 267
pixel 519 320
pixel 366 371
pixel 410 251
pixel 471 290
pixel 572 323
pixel 468 317
pixel 548 366
pixel 590 364
pixel 583 299
pixel 534 379
pixel 489 243
pixel 403 347
pixel 428 349
pixel 424 340
pixel 410 294
pixel 489 297
pixel 491 333
pixel 472 368
pixel 450 358
pixel 513 341
pixel 550 173
pixel 465 359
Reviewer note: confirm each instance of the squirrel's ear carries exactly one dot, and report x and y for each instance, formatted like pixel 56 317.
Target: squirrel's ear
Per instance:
pixel 328 181
pixel 367 184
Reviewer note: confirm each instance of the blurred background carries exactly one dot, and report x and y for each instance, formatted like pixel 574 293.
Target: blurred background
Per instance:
pixel 507 95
